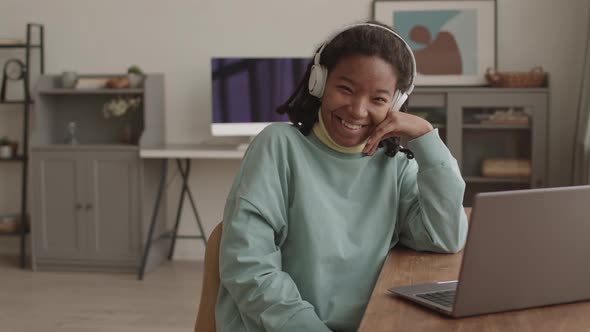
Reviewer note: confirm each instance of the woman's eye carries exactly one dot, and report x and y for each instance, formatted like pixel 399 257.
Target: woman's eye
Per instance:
pixel 345 88
pixel 380 100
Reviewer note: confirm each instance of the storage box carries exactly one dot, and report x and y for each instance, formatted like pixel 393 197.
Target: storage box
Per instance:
pixel 500 167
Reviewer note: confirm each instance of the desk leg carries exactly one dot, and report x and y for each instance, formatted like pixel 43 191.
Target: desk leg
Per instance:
pixel 180 205
pixel 185 175
pixel 192 201
pixel 148 243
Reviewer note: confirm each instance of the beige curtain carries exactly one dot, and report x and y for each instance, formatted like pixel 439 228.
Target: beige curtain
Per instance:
pixel 581 163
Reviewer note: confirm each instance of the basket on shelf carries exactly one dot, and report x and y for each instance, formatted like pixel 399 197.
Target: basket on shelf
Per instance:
pixel 531 79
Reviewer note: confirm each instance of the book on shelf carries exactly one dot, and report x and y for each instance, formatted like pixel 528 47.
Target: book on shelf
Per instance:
pixel 506 167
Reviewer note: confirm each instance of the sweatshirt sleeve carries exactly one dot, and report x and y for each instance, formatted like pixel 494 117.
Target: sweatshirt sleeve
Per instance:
pixel 431 215
pixel 254 228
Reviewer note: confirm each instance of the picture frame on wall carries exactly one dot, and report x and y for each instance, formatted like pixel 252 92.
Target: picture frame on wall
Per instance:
pixel 454 41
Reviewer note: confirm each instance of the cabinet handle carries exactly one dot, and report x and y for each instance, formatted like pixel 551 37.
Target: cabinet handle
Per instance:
pixel 88 206
pixel 78 206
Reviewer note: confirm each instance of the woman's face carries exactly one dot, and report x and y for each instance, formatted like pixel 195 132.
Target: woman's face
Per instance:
pixel 358 95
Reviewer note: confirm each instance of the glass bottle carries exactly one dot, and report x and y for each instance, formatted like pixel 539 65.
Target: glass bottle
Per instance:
pixel 72 133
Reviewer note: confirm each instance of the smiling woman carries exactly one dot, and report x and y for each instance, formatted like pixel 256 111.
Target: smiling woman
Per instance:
pixel 316 205
pixel 389 65
pixel 358 100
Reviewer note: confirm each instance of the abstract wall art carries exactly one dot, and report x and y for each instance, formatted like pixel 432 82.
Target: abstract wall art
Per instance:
pixel 454 42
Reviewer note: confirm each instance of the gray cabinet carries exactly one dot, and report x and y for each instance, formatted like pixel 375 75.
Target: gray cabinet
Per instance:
pixel 465 119
pixel 90 200
pixel 86 203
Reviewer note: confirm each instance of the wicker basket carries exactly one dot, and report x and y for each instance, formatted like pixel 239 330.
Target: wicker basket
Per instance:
pixel 534 78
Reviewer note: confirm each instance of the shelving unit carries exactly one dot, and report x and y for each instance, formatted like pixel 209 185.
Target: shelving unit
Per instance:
pixel 29 45
pixel 80 92
pixel 458 113
pixel 482 179
pixel 495 127
pixel 91 200
pixel 16 159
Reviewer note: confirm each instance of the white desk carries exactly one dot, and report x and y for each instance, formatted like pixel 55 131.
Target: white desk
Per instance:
pixel 182 154
pixel 192 151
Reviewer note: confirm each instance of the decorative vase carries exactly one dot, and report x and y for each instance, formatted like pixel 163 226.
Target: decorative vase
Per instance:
pixel 135 80
pixel 69 79
pixel 127 135
pixel 14 147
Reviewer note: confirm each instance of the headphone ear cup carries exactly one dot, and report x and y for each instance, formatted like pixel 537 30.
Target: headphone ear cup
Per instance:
pixel 317 80
pixel 399 98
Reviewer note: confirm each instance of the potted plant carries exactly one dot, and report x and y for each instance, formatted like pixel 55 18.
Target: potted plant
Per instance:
pixel 118 107
pixel 5 148
pixel 135 76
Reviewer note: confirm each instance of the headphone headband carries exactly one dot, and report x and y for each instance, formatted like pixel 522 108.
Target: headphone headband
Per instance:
pixel 318 55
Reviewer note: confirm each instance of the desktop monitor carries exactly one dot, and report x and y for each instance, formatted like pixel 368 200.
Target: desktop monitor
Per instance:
pixel 247 91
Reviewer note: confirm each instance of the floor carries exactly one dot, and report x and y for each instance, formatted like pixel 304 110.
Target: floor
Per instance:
pixel 166 300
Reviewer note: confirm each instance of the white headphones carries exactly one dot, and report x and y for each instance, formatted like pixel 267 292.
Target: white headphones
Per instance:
pixel 319 72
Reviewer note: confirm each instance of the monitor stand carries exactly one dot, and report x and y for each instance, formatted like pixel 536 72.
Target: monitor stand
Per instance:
pixel 244 146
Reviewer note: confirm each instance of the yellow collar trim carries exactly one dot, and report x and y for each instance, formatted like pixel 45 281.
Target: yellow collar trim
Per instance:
pixel 319 129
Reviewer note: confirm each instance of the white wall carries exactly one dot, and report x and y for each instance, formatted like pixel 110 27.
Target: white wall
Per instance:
pixel 551 34
pixel 179 37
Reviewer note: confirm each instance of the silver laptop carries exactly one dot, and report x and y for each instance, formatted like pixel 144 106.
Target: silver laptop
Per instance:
pixel 525 248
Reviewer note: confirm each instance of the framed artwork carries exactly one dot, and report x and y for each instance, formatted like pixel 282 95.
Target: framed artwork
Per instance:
pixel 454 42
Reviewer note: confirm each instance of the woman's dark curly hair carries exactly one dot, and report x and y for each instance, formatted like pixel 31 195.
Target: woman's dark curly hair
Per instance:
pixel 302 108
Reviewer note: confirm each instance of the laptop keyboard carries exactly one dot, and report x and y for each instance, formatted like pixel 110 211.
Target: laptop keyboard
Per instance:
pixel 444 298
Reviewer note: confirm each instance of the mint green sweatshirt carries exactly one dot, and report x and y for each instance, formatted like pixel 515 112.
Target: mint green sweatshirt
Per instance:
pixel 306 228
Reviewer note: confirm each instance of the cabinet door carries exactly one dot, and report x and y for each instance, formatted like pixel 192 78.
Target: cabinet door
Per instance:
pixel 59 230
pixel 112 205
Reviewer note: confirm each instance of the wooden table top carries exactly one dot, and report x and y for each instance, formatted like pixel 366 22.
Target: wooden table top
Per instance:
pixel 402 267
